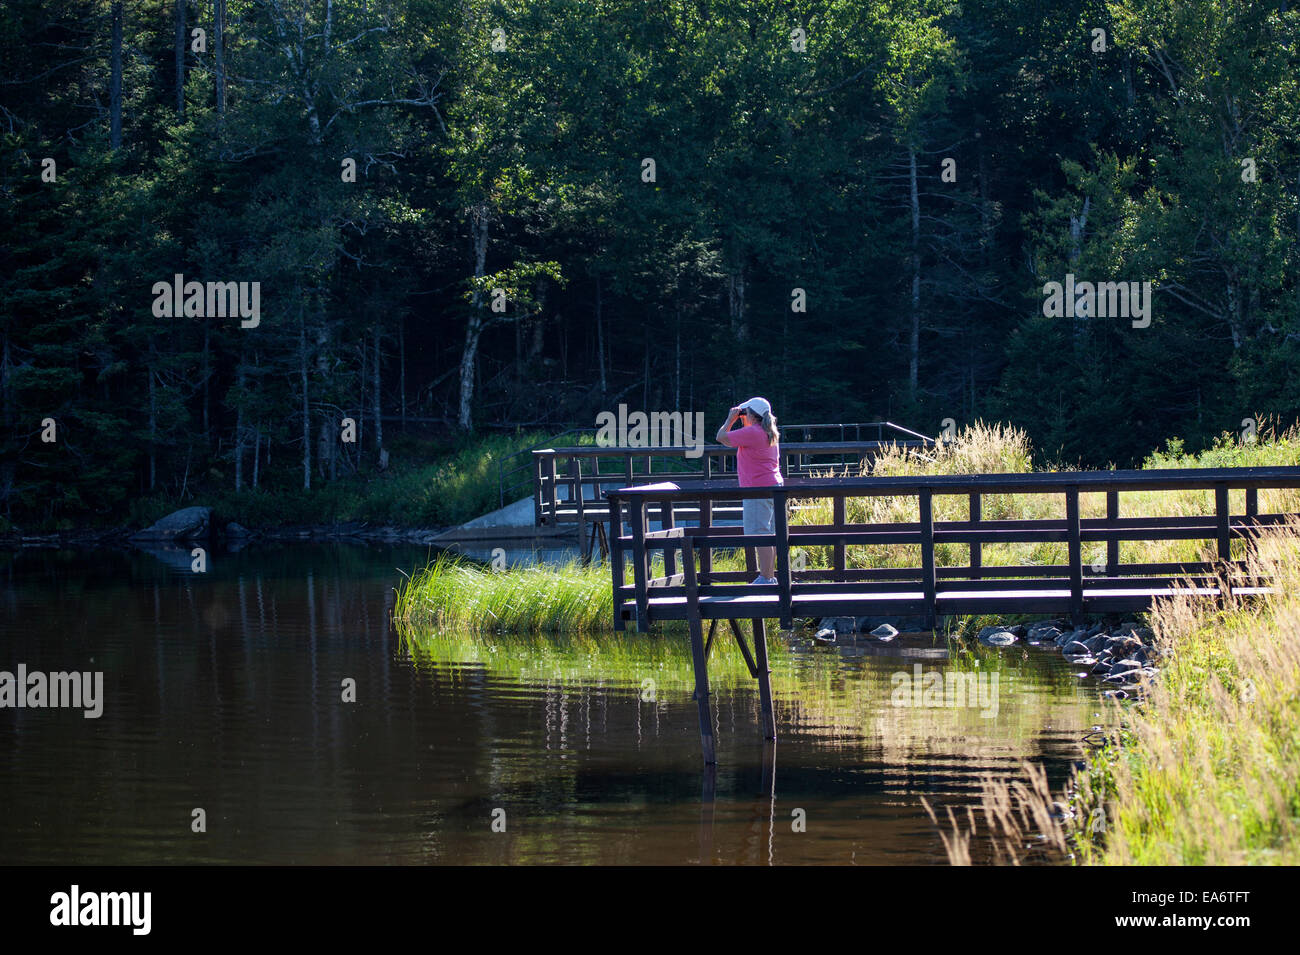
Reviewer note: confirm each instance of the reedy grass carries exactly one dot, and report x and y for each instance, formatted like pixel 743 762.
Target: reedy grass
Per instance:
pixel 1207 770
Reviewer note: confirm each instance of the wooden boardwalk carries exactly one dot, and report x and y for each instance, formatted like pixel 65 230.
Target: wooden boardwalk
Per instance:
pixel 683 591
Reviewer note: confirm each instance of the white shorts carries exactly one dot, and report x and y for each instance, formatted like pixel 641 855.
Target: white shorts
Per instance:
pixel 759 515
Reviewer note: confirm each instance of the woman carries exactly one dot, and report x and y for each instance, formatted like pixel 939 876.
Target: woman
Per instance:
pixel 758 464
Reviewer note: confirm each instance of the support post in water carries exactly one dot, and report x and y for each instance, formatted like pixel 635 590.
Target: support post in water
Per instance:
pixel 764 678
pixel 697 651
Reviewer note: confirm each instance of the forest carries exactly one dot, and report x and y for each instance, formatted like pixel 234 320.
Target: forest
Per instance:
pixel 463 218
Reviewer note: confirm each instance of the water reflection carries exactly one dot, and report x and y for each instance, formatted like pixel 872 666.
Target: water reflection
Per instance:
pixel 224 691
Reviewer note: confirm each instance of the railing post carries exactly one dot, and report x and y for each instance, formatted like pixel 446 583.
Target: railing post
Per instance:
pixel 925 507
pixel 837 518
pixel 1252 502
pixel 976 547
pixel 1112 544
pixel 616 557
pixel 667 519
pixel 1075 548
pixel 537 490
pixel 575 472
pixel 1221 512
pixel 782 527
pixel 706 552
pixel 640 562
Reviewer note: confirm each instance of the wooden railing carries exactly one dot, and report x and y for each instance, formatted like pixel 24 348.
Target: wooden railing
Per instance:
pixel 569 482
pixel 927 589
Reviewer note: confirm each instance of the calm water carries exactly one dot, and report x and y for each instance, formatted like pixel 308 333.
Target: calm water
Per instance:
pixel 223 692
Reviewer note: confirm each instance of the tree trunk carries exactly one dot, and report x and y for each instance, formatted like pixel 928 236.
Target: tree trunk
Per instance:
pixel 479 221
pixel 239 427
pixel 180 59
pixel 306 405
pixel 736 314
pixel 401 373
pixel 379 421
pixel 153 423
pixel 218 51
pixel 115 82
pixel 600 343
pixel 207 382
pixel 914 342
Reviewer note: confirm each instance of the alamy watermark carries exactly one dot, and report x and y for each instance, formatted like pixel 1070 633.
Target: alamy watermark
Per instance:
pixel 181 299
pixel 937 689
pixel 658 429
pixel 37 690
pixel 1100 300
pixel 75 907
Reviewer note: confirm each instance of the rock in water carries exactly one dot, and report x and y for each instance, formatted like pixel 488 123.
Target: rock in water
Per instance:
pixel 824 635
pixel 1003 638
pixel 189 523
pixel 884 632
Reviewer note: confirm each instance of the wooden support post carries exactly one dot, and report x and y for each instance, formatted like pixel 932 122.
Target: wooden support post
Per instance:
pixel 1112 544
pixel 928 585
pixel 837 518
pixel 666 520
pixel 1252 502
pixel 1075 547
pixel 1221 512
pixel 575 473
pixel 706 552
pixel 538 490
pixel 640 562
pixel 616 557
pixel 976 548
pixel 782 527
pixel 764 679
pixel 697 653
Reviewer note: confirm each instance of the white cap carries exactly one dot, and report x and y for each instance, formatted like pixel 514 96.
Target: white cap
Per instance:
pixel 758 405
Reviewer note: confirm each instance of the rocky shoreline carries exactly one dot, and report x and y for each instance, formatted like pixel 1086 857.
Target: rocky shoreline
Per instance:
pixel 1121 654
pixel 197 524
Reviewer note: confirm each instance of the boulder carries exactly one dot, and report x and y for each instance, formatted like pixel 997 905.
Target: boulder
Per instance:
pixel 825 635
pixel 885 632
pixel 1000 638
pixel 237 530
pixel 189 523
pixel 840 624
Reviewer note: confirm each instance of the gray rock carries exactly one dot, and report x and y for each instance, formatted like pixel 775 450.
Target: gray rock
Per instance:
pixel 1100 668
pixel 903 622
pixel 1076 649
pixel 1130 664
pixel 1038 631
pixel 840 624
pixel 237 530
pixel 998 638
pixel 825 635
pixel 1095 644
pixel 885 632
pixel 189 523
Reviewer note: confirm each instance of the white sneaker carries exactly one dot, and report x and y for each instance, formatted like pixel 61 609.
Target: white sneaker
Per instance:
pixel 761 580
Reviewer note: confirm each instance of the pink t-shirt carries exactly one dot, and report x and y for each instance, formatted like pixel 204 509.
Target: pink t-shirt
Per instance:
pixel 758 464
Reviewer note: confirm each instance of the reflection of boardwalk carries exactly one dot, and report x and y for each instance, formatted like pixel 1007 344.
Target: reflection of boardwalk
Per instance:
pixel 685 592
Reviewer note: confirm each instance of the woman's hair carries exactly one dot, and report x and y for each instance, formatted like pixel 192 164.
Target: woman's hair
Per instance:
pixel 768 424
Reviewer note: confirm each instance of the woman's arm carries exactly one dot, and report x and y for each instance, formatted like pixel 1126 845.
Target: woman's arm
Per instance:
pixel 721 437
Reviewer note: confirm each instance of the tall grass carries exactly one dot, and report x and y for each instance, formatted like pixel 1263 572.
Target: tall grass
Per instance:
pixel 1207 770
